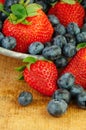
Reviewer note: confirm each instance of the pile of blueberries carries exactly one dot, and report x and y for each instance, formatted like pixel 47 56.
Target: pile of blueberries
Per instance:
pixel 63 43
pixel 67 91
pixel 62 97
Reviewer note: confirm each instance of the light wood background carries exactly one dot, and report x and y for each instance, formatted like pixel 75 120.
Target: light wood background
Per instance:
pixel 34 116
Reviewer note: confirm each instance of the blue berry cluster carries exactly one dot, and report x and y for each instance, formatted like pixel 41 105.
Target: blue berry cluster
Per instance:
pixel 63 43
pixel 67 91
pixel 64 40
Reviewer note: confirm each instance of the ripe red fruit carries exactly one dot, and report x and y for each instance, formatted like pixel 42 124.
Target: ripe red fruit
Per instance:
pixel 42 76
pixel 38 29
pixel 2 1
pixel 77 66
pixel 68 13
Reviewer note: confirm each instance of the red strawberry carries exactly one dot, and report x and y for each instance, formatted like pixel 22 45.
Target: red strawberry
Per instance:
pixel 2 1
pixel 42 76
pixel 69 12
pixel 31 27
pixel 77 66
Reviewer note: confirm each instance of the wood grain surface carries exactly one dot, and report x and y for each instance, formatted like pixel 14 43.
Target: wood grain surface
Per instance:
pixel 34 116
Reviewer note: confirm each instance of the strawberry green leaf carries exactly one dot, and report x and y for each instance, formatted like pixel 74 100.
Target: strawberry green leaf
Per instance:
pixel 69 1
pixel 12 18
pixel 21 77
pixel 79 1
pixel 19 11
pixel 23 21
pixel 30 60
pixel 31 14
pixel 15 20
pixel 81 45
pixel 32 9
pixel 28 66
pixel 26 22
pixel 1 7
pixel 27 2
pixel 21 68
pixel 52 4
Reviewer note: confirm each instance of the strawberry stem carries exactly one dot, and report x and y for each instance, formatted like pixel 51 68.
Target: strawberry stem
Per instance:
pixel 28 66
pixel 21 68
pixel 27 2
pixel 5 12
pixel 21 1
pixel 2 9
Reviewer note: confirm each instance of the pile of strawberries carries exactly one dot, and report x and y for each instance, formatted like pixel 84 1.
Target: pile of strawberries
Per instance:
pixel 42 74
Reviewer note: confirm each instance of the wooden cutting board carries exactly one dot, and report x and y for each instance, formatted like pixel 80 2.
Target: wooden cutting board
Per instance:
pixel 34 116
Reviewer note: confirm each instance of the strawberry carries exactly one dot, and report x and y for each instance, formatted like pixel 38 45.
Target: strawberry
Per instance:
pixel 69 11
pixel 41 75
pixel 27 23
pixel 2 1
pixel 77 66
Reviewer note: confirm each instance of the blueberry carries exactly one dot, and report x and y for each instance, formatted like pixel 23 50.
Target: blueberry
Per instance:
pixel 3 16
pixel 36 48
pixel 32 1
pixel 73 28
pixel 76 90
pixel 59 40
pixel 50 1
pixel 85 20
pixel 57 107
pixel 81 37
pixel 1 36
pixel 62 94
pixel 70 38
pixel 83 3
pixel 53 19
pixel 51 52
pixel 60 61
pixel 59 29
pixel 47 44
pixel 81 100
pixel 8 42
pixel 25 98
pixel 66 81
pixel 83 29
pixel 45 6
pixel 69 50
pixel 1 25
